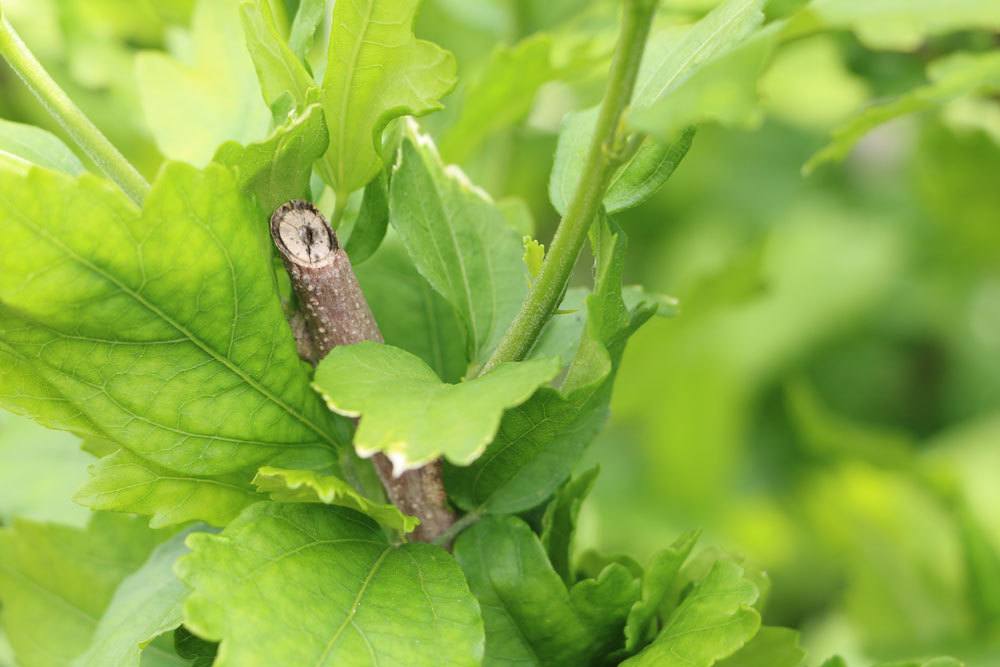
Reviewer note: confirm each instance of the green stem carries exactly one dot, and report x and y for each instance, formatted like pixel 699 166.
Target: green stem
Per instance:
pixel 61 107
pixel 607 149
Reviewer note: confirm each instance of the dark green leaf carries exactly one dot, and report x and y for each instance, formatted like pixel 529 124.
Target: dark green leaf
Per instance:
pixel 559 522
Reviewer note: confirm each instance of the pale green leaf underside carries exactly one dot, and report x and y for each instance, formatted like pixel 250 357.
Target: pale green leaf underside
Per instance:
pixel 192 108
pixel 162 331
pixel 951 77
pixel 311 486
pixel 459 241
pixel 145 605
pixel 303 584
pixel 55 582
pixel 37 146
pixel 413 417
pixel 713 622
pixel 531 618
pixel 377 71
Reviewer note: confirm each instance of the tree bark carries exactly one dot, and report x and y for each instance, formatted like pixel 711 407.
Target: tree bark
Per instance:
pixel 334 312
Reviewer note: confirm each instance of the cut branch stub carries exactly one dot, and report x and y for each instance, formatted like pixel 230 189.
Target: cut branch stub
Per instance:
pixel 333 311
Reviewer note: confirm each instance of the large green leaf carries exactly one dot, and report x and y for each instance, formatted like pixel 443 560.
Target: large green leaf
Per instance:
pixel 125 482
pixel 897 24
pixel 951 77
pixel 531 618
pixel 38 147
pixel 300 584
pixel 539 443
pixel 39 469
pixel 411 315
pixel 146 605
pixel 770 647
pixel 714 621
pixel 278 169
pixel 658 581
pixel 377 71
pixel 459 241
pixel 192 107
pixel 161 331
pixel 501 94
pixel 56 581
pixel 279 70
pixel 413 417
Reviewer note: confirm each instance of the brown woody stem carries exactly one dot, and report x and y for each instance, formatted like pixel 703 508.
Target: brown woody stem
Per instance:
pixel 334 311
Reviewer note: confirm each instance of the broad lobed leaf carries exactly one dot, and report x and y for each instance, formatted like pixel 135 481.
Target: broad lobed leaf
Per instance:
pixel 307 584
pixel 413 417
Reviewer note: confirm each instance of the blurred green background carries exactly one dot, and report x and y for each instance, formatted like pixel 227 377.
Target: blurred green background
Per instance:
pixel 827 404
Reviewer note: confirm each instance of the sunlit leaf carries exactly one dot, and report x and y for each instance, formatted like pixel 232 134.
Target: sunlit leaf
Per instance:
pixel 377 71
pixel 303 584
pixel 413 417
pixel 38 147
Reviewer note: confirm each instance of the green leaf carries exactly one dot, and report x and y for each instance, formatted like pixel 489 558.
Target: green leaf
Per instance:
pixel 299 584
pixel 377 71
pixel 671 56
pixel 278 169
pixel 633 183
pixel 190 647
pixel 950 77
pixel 659 579
pixel 722 90
pixel 146 605
pixel 933 662
pixel 502 94
pixel 308 19
pixel 539 443
pixel 217 386
pixel 713 622
pixel 411 315
pixel 39 147
pixel 982 565
pixel 771 647
pixel 125 482
pixel 279 70
pixel 193 107
pixel 530 616
pixel 311 486
pixel 39 469
pixel 413 417
pixel 56 581
pixel 896 24
pixel 369 228
pixel 459 241
pixel 559 522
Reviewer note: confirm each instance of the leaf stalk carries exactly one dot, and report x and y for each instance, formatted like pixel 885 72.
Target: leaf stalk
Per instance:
pixel 80 128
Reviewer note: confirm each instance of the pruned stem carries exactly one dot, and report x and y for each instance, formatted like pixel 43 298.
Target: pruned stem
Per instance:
pixel 335 312
pixel 608 148
pixel 86 135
